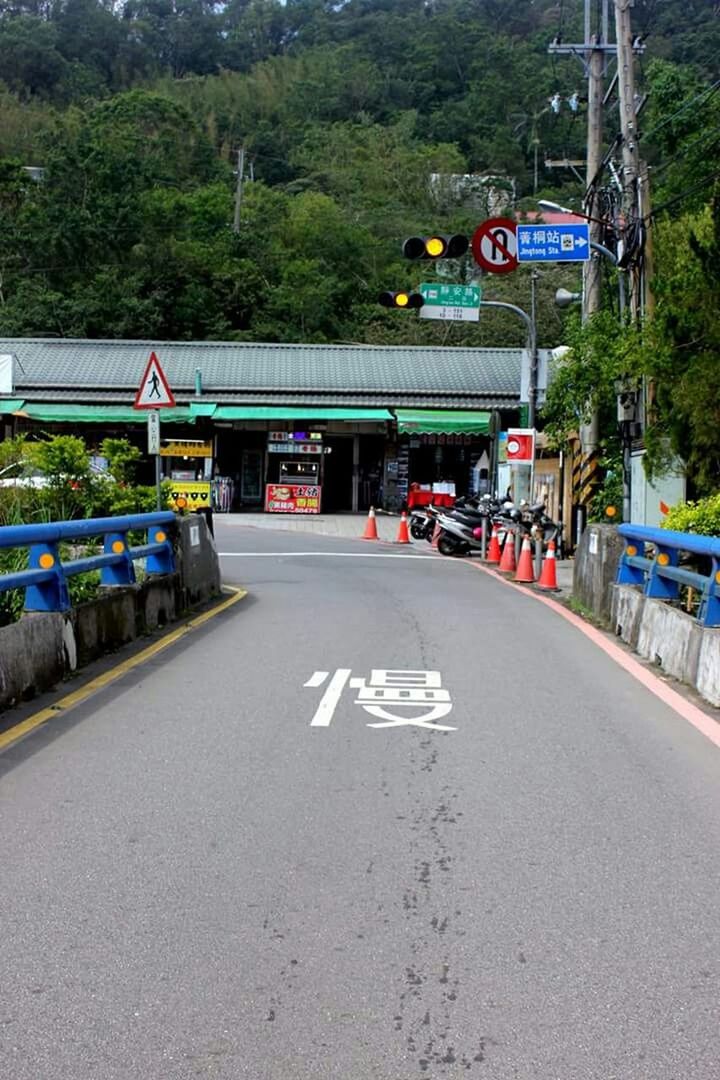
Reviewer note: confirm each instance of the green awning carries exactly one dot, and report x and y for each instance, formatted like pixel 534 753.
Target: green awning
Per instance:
pixel 442 422
pixel 202 408
pixel 100 414
pixel 10 405
pixel 307 412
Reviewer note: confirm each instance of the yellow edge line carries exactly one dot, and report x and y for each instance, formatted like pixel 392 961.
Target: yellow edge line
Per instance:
pixel 77 696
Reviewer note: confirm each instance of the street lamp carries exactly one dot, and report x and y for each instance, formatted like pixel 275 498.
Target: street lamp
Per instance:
pixel 556 208
pixel 564 298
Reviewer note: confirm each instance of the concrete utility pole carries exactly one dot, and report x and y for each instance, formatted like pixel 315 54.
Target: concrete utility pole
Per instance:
pixel 593 51
pixel 636 209
pixel 239 188
pixel 628 127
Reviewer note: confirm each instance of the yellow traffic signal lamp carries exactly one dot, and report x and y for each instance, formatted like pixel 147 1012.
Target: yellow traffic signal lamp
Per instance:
pixel 437 246
pixel 401 300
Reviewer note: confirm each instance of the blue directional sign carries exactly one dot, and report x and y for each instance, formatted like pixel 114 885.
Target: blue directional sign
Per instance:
pixel 553 243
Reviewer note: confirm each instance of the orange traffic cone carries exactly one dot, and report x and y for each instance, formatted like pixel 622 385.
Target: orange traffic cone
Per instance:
pixel 525 572
pixel 403 536
pixel 371 527
pixel 548 577
pixel 507 563
pixel 435 536
pixel 493 555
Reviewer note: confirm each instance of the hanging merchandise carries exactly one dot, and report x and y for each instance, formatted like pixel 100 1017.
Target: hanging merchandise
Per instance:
pixel 223 490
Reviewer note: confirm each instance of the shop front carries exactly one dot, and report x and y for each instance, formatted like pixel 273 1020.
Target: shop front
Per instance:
pixel 297 461
pixel 440 455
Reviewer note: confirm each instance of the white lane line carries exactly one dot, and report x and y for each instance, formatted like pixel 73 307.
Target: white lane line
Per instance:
pixel 327 555
pixel 330 698
pixel 317 679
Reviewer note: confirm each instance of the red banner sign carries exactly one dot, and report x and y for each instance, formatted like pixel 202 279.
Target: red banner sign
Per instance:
pixel 292 499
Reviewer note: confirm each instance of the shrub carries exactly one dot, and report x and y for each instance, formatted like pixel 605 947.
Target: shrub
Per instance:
pixel 701 517
pixel 122 458
pixel 11 603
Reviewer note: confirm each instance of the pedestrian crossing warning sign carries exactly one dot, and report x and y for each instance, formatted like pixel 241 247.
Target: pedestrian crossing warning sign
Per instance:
pixel 154 390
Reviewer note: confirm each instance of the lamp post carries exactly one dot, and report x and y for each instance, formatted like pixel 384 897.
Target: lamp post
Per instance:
pixel 529 321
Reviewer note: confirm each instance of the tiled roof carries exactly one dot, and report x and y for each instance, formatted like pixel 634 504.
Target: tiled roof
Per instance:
pixel 109 371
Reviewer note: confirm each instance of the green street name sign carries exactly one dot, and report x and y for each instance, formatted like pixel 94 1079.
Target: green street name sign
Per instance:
pixel 457 302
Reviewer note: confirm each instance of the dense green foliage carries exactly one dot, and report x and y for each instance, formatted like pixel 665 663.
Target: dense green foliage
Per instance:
pixel 70 490
pixel 70 487
pixel 701 516
pixel 136 113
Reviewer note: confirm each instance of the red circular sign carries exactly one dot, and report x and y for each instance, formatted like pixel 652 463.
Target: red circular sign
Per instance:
pixel 494 245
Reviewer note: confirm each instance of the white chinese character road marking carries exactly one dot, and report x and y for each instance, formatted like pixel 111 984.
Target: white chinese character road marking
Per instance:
pixel 317 679
pixel 420 693
pixel 328 703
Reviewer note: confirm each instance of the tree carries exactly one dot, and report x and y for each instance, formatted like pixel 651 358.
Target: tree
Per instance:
pixel 30 62
pixel 682 345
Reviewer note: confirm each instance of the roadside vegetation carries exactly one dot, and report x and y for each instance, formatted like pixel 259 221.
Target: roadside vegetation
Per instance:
pixel 58 479
pixel 357 123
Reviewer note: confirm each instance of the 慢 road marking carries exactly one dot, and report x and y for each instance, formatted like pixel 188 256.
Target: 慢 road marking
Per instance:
pixel 7 738
pixel 400 688
pixel 317 679
pixel 328 703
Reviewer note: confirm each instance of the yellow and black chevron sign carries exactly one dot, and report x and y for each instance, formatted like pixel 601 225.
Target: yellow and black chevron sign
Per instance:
pixel 576 474
pixel 590 477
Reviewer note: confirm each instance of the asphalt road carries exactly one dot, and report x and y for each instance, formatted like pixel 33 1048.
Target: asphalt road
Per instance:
pixel 197 881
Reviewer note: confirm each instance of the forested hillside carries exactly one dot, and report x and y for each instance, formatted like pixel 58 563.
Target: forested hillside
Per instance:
pixel 136 112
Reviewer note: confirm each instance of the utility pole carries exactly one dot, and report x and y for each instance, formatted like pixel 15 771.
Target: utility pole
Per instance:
pixel 593 52
pixel 636 210
pixel 628 128
pixel 239 188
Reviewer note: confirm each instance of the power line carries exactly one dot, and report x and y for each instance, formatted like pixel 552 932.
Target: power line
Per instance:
pixel 684 195
pixel 707 93
pixel 714 137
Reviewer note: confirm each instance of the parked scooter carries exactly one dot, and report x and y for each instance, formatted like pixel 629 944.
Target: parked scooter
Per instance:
pixel 463 528
pixel 462 531
pixel 423 520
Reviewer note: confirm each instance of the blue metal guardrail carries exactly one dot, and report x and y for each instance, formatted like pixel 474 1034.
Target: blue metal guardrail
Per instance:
pixel 661 576
pixel 45 580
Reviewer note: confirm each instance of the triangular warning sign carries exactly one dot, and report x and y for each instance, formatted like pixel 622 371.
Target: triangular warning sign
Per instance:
pixel 154 391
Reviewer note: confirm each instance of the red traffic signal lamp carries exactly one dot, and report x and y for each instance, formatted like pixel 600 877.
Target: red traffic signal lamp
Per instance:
pixel 437 246
pixel 401 299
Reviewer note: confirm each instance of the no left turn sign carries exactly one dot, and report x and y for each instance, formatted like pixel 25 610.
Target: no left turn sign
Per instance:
pixel 494 245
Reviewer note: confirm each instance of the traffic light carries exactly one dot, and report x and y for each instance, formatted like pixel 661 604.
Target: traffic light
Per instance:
pixel 401 300
pixel 437 246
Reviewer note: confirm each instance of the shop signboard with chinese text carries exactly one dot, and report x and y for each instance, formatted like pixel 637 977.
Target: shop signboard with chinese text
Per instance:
pixel 292 498
pixel 188 448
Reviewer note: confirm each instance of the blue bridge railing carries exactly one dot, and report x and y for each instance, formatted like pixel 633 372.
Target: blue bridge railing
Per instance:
pixel 45 580
pixel 661 576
